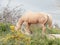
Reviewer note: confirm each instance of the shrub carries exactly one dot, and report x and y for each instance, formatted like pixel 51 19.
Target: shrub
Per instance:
pixel 17 38
pixel 4 27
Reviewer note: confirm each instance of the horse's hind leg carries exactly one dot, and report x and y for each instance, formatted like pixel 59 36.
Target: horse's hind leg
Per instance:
pixel 43 29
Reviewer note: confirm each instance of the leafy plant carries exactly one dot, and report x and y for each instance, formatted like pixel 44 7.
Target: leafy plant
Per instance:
pixel 18 38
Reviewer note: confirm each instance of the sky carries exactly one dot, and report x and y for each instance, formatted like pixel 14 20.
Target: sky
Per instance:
pixel 48 6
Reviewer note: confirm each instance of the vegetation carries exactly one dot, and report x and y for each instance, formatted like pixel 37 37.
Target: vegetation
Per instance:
pixel 8 36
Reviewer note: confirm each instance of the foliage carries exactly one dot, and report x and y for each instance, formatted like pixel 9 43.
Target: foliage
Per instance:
pixel 10 14
pixel 4 27
pixel 12 37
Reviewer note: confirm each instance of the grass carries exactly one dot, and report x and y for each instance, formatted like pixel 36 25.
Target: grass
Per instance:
pixel 8 37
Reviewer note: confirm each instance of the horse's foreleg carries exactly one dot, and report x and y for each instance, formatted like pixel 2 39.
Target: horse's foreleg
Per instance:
pixel 28 28
pixel 18 25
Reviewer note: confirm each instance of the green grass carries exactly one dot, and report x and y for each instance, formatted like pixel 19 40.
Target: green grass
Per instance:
pixel 15 38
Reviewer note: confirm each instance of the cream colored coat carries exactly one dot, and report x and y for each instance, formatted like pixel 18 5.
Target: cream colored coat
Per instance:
pixel 34 18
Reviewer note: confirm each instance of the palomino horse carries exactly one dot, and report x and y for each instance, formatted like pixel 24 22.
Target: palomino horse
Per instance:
pixel 34 18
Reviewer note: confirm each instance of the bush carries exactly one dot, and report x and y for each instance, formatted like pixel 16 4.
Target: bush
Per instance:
pixel 17 38
pixel 4 27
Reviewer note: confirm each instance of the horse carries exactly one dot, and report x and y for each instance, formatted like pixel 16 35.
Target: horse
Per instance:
pixel 34 18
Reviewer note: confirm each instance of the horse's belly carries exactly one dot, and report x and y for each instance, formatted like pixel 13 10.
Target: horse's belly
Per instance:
pixel 33 21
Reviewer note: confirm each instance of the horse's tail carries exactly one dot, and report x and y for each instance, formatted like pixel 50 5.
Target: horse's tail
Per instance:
pixel 49 21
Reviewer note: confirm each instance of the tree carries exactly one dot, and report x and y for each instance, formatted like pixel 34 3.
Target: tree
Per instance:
pixel 11 15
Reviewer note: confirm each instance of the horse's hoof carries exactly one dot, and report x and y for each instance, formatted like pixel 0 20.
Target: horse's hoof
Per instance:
pixel 27 33
pixel 30 32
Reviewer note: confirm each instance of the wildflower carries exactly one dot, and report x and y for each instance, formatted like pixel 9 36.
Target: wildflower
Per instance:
pixel 12 28
pixel 28 39
pixel 21 35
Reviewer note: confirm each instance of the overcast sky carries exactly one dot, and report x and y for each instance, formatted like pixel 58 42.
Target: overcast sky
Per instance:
pixel 48 6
